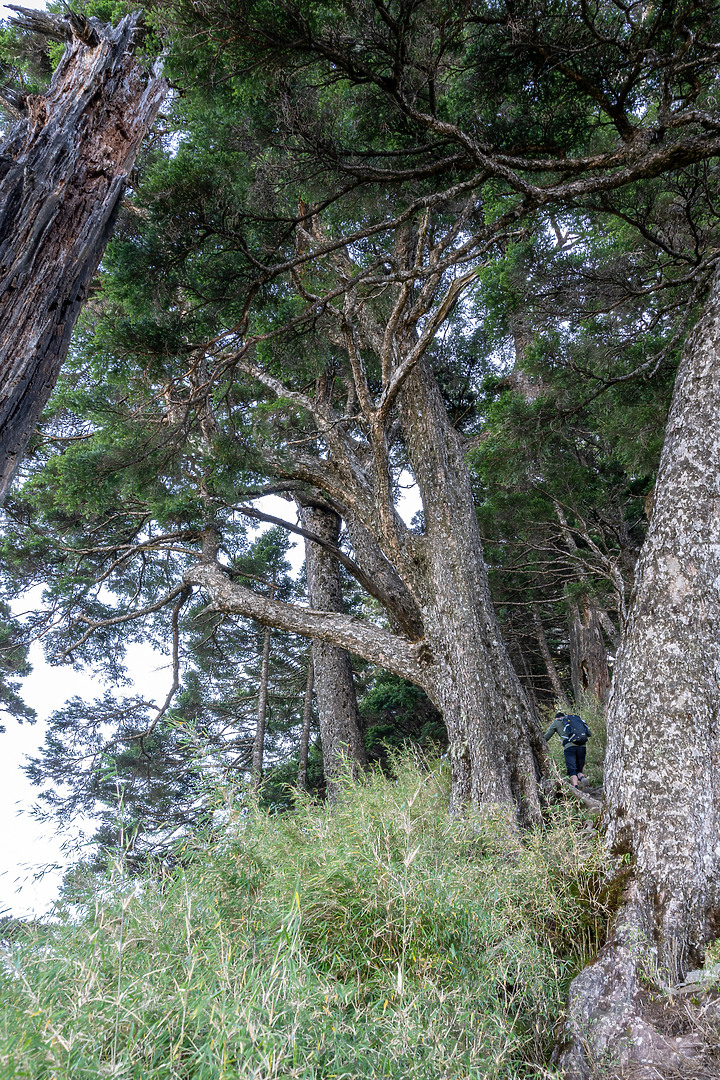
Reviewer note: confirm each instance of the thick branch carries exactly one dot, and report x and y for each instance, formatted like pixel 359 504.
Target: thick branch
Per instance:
pixel 372 585
pixel 402 372
pixel 372 643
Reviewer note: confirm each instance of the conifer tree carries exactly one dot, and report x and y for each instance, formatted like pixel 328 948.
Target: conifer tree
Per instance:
pixel 301 266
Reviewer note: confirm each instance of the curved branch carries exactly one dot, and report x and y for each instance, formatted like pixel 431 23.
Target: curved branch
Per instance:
pixel 371 584
pixel 185 595
pixel 407 659
pixel 96 624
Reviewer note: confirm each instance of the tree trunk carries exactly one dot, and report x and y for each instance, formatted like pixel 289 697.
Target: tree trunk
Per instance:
pixel 497 750
pixel 63 171
pixel 662 777
pixel 259 742
pixel 334 684
pixel 560 695
pixel 305 735
pixel 588 656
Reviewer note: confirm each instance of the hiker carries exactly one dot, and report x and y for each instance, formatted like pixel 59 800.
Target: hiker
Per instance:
pixel 573 733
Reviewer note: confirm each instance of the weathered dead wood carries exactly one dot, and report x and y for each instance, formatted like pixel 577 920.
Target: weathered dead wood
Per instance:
pixel 589 670
pixel 63 170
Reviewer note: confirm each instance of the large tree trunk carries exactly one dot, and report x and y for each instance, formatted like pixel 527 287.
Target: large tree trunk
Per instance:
pixel 63 171
pixel 662 778
pixel 589 669
pixel 496 746
pixel 338 715
pixel 497 749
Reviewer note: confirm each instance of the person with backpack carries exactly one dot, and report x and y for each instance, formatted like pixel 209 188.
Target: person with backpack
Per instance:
pixel 573 733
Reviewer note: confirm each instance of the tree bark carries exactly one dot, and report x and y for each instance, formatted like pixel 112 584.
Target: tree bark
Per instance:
pixel 305 734
pixel 63 170
pixel 558 689
pixel 391 651
pixel 497 750
pixel 259 742
pixel 662 779
pixel 338 715
pixel 589 669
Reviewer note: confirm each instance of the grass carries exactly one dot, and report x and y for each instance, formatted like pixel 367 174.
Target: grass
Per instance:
pixel 383 938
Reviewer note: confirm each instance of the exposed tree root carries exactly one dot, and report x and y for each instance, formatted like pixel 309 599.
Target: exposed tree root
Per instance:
pixel 620 1025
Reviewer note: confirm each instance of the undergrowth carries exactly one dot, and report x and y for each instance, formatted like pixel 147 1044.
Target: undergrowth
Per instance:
pixel 380 938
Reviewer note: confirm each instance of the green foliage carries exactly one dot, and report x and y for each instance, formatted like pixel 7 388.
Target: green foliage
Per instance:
pixel 384 938
pixel 14 665
pixel 107 11
pixel 279 791
pixel 397 714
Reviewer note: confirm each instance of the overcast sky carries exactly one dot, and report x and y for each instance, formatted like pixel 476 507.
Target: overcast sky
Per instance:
pixel 5 11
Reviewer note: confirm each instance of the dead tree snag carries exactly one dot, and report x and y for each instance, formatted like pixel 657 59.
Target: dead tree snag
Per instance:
pixel 63 170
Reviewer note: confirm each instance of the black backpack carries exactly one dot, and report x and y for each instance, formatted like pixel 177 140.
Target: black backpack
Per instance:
pixel 577 732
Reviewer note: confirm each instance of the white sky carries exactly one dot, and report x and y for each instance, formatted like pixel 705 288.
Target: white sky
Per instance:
pixel 5 11
pixel 29 849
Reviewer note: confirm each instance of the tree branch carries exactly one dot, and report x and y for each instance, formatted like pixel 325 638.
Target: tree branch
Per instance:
pixel 370 584
pixel 117 619
pixel 409 660
pixel 182 600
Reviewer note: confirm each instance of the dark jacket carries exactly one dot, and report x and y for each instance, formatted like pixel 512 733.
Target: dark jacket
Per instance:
pixel 558 727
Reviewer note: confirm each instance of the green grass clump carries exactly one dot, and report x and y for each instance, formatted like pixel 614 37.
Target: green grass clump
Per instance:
pixel 377 938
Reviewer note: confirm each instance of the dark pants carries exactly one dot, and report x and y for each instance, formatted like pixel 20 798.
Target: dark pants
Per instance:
pixel 574 759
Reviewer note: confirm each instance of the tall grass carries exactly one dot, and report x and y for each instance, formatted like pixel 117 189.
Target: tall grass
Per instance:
pixel 382 938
